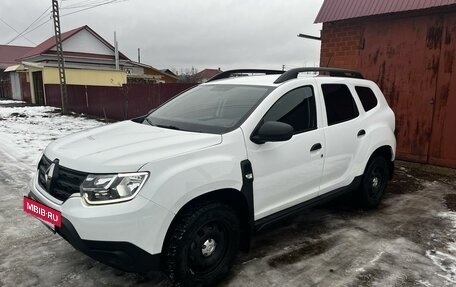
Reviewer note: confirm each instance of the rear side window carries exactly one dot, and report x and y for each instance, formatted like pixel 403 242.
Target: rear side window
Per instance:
pixel 339 102
pixel 367 97
pixel 296 108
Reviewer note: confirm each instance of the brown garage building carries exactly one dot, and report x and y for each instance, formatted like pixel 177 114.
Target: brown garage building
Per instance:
pixel 408 47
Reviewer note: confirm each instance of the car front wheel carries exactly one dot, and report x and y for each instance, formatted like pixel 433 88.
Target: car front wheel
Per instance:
pixel 202 245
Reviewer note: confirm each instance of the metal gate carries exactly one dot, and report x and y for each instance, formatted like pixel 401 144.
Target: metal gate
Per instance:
pixel 443 140
pixel 412 61
pixel 38 87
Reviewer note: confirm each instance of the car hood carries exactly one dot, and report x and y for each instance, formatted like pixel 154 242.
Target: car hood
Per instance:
pixel 124 147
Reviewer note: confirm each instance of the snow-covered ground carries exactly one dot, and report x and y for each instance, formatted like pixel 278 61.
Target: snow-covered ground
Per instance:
pixel 445 258
pixel 26 131
pixel 410 240
pixel 6 102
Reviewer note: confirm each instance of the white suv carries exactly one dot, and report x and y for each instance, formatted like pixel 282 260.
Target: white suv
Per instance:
pixel 183 188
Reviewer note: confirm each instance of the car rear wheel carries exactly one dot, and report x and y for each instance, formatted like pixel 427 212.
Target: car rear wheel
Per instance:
pixel 202 245
pixel 374 182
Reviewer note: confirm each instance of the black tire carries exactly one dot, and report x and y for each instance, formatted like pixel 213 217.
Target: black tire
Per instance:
pixel 187 261
pixel 374 182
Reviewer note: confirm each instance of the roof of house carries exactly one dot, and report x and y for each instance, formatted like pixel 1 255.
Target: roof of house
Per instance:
pixel 334 10
pixel 9 54
pixel 208 73
pixel 169 72
pixel 46 46
pixel 152 68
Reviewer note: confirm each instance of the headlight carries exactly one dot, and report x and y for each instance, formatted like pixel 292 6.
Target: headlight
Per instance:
pixel 112 188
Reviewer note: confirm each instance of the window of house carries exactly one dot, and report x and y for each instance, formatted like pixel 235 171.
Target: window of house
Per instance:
pixel 367 97
pixel 296 108
pixel 339 102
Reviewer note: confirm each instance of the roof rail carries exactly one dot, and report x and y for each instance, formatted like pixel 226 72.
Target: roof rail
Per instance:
pixel 227 74
pixel 333 72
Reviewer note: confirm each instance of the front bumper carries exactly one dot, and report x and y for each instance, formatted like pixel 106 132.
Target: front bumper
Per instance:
pixel 121 255
pixel 127 236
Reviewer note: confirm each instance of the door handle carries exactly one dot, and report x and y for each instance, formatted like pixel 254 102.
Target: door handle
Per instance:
pixel 315 147
pixel 361 133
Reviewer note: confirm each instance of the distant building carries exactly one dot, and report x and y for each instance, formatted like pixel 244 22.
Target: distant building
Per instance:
pixel 206 74
pixel 168 71
pixel 10 85
pixel 142 73
pixel 89 60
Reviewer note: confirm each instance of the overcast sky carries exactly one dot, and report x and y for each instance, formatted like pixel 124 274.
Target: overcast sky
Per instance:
pixel 180 34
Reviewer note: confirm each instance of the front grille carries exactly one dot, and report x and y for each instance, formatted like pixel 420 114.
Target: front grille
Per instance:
pixel 64 184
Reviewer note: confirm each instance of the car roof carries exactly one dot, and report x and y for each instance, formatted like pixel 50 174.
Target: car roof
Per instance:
pixel 260 80
pixel 277 77
pixel 268 80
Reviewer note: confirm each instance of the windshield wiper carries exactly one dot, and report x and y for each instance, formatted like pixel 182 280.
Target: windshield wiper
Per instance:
pixel 168 127
pixel 149 122
pixel 171 127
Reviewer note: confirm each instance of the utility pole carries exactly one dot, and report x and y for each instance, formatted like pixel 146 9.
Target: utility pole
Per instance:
pixel 116 51
pixel 60 59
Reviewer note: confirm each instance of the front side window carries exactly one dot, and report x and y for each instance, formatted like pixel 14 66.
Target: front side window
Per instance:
pixel 209 108
pixel 339 102
pixel 296 108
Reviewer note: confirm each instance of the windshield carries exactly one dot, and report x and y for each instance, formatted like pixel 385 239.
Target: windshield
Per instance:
pixel 209 108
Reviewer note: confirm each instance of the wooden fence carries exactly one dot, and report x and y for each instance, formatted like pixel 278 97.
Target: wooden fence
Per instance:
pixel 116 103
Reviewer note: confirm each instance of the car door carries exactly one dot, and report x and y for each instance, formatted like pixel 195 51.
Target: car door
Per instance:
pixel 287 173
pixel 343 133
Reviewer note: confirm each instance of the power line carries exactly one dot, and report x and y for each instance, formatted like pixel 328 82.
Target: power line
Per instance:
pixel 90 5
pixel 87 4
pixel 16 31
pixel 94 6
pixel 80 2
pixel 25 30
pixel 37 27
pixel 83 4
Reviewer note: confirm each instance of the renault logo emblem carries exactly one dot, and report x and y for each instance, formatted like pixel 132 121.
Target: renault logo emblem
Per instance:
pixel 51 173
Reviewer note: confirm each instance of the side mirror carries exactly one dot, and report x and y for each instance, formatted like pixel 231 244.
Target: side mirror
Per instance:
pixel 272 132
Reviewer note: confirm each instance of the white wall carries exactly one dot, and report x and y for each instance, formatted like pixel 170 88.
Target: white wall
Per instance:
pixel 15 86
pixel 85 42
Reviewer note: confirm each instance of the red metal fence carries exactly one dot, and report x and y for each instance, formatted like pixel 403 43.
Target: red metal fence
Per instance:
pixel 5 85
pixel 117 103
pixel 414 67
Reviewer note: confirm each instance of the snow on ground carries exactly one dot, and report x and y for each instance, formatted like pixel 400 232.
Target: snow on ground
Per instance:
pixel 26 130
pixel 6 102
pixel 445 259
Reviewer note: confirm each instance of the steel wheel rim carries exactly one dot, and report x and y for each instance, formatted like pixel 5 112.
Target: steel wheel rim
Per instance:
pixel 376 182
pixel 208 247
